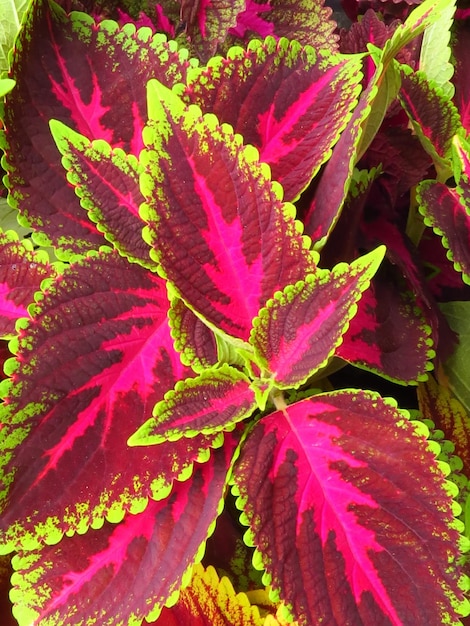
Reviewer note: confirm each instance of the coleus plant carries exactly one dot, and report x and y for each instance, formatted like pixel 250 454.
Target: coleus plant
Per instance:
pixel 206 256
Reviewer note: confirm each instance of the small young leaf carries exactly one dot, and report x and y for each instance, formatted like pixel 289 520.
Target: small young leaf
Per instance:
pixel 216 222
pixel 124 572
pixel 11 17
pixel 349 513
pixel 214 401
pixel 301 327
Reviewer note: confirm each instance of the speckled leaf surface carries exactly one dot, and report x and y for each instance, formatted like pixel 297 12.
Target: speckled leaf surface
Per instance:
pixel 347 533
pixel 22 269
pixel 90 366
pixel 216 222
pixel 123 572
pixel 300 328
pixel 289 101
pixel 93 79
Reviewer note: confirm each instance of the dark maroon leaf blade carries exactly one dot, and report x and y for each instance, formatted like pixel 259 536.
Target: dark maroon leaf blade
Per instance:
pixel 125 572
pixel 107 183
pixel 300 328
pixel 289 102
pixel 214 401
pixel 217 224
pixel 92 78
pixel 90 366
pixel 348 534
pixel 22 269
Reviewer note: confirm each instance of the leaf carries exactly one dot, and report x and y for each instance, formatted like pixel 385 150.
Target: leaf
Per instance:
pixel 438 404
pixel 207 23
pixel 6 85
pixel 210 601
pixel 92 78
pixel 22 269
pixel 11 16
pixel 333 186
pixel 447 210
pixel 125 572
pixel 215 220
pixel 289 101
pixel 389 334
pixel 107 183
pixel 461 56
pixel 90 366
pixel 456 367
pixel 348 534
pixel 435 54
pixel 434 118
pixel 212 402
pixel 300 328
pixel 194 341
pixel 307 21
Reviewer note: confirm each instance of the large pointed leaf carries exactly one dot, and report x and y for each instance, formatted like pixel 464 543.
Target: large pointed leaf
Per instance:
pixel 349 512
pixel 216 221
pixel 214 401
pixel 91 77
pixel 210 601
pixel 121 573
pixel 107 183
pixel 289 102
pixel 22 269
pixel 91 364
pixel 447 210
pixel 300 328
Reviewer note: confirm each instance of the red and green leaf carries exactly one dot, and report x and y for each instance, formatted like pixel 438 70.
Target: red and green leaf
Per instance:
pixel 289 102
pixel 438 404
pixel 22 269
pixel 447 210
pixel 216 222
pixel 210 601
pixel 107 183
pixel 389 335
pixel 212 402
pixel 435 118
pixel 91 77
pixel 349 512
pixel 195 341
pixel 300 328
pixel 308 22
pixel 90 366
pixel 124 572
